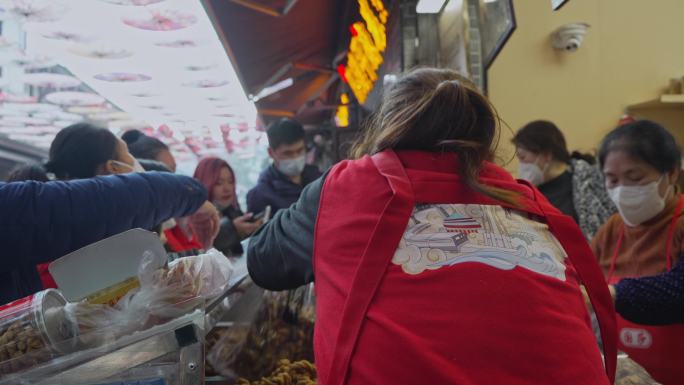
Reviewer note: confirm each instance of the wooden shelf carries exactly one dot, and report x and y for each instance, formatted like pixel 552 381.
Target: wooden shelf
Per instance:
pixel 665 101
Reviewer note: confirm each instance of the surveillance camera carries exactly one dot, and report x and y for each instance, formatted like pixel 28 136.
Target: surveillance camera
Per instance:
pixel 569 36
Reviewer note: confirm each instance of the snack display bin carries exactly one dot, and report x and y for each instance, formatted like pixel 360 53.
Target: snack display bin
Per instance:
pixel 168 354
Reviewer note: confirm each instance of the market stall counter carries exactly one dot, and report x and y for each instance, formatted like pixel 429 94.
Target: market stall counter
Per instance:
pixel 153 334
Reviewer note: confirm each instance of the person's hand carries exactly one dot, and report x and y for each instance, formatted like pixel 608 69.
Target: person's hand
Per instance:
pixel 205 223
pixel 245 226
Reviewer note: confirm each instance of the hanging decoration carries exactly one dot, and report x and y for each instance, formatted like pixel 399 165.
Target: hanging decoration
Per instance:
pixel 27 108
pixel 34 11
pixel 50 80
pixel 13 98
pixel 74 98
pixel 67 36
pixel 122 77
pixel 101 52
pixel 206 83
pixel 33 62
pixel 162 21
pixel 138 3
pixel 181 43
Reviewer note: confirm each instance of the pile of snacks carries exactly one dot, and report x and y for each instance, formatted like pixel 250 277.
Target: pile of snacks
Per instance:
pixel 39 328
pixel 287 373
pixel 29 328
pixel 630 373
pixel 20 339
pixel 282 329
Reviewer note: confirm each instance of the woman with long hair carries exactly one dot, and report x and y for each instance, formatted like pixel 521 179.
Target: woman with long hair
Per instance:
pixel 219 179
pixel 432 264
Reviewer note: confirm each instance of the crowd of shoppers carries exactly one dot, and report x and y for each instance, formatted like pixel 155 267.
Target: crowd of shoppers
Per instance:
pixel 424 252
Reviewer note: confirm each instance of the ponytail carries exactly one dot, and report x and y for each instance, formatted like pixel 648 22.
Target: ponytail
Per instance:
pixel 26 172
pixel 142 146
pixel 438 110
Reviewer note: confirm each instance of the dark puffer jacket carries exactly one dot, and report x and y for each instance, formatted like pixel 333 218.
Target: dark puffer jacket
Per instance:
pixel 40 222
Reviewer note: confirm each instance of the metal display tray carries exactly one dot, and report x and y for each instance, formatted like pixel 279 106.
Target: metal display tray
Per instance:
pixel 178 343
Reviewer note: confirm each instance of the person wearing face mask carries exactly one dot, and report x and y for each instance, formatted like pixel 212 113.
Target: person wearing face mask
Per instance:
pixel 571 182
pixel 281 184
pixel 142 146
pixel 85 151
pixel 219 179
pixel 641 163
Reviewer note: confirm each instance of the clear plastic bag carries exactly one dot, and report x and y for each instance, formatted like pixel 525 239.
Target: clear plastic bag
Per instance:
pixel 282 328
pixel 164 294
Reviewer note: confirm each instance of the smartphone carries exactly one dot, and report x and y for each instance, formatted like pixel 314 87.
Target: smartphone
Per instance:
pixel 265 215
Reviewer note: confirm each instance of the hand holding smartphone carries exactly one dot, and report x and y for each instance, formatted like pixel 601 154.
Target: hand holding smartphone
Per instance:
pixel 264 216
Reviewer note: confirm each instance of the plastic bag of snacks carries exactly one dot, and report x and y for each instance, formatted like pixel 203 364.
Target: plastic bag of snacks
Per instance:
pixel 164 294
pixel 281 329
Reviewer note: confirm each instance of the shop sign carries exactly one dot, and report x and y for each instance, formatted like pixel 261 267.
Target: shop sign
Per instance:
pixel 366 49
pixel 342 115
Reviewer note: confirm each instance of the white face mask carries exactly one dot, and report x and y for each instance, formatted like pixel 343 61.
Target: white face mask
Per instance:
pixel 136 167
pixel 531 173
pixel 638 204
pixel 292 167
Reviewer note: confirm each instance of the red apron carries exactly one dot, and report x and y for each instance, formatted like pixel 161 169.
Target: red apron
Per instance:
pixel 467 324
pixel 656 348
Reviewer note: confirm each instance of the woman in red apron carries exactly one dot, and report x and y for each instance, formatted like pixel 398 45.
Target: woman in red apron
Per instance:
pixel 641 162
pixel 433 265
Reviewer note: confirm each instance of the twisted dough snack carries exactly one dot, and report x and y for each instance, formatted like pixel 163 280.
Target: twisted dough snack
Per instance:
pixel 287 373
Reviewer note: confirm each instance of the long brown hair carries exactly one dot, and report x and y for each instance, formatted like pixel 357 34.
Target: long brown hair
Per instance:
pixel 438 110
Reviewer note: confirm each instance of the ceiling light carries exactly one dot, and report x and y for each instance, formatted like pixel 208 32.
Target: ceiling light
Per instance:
pixel 430 6
pixel 281 85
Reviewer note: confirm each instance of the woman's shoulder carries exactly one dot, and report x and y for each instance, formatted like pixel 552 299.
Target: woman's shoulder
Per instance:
pixel 581 169
pixel 352 166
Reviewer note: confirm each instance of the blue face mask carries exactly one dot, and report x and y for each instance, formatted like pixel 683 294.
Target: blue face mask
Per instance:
pixel 292 167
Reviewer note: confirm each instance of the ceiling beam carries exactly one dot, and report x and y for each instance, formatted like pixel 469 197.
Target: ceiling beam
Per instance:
pixel 317 92
pixel 275 77
pixel 278 113
pixel 313 67
pixel 270 11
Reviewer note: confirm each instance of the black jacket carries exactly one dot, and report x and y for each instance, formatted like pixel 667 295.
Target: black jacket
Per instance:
pixel 279 256
pixel 277 190
pixel 228 241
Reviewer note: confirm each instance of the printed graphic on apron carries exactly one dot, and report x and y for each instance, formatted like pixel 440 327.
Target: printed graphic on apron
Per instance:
pixel 446 235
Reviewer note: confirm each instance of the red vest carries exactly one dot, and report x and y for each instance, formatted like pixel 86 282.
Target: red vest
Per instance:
pixel 656 348
pixel 484 321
